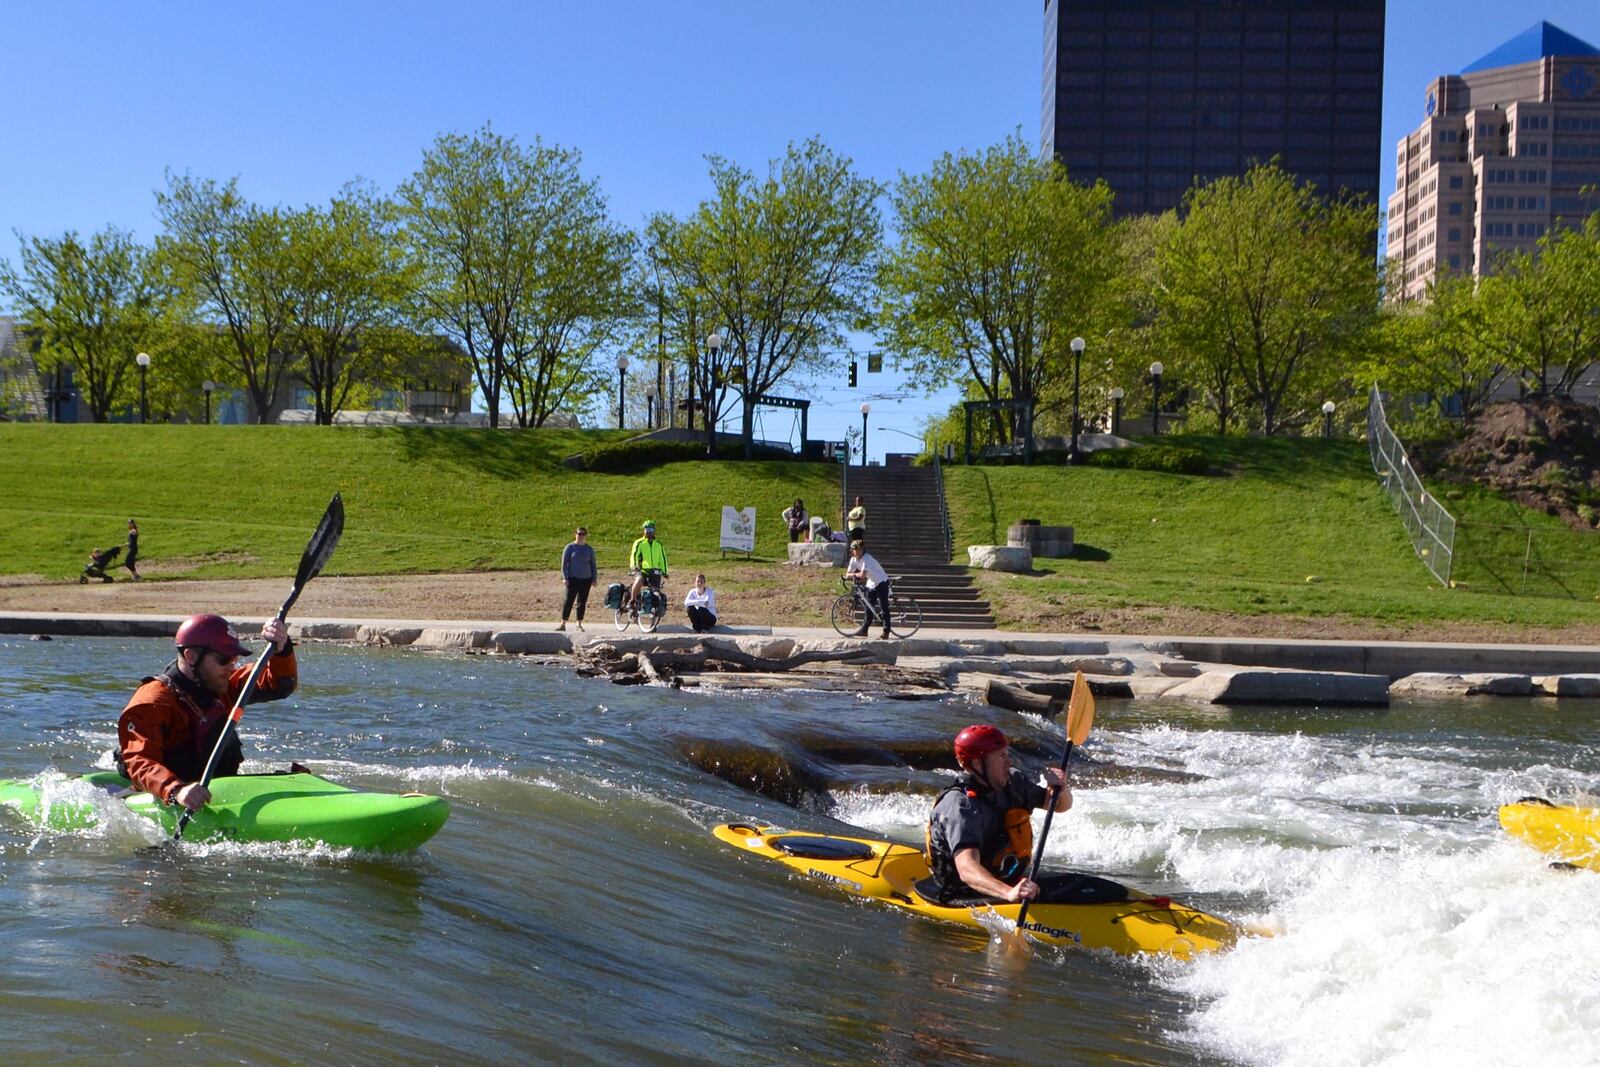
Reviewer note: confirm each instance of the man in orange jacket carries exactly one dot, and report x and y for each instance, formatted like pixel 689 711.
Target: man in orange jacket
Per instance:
pixel 166 733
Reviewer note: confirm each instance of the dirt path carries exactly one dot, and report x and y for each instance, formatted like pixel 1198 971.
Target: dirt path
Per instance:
pixel 535 597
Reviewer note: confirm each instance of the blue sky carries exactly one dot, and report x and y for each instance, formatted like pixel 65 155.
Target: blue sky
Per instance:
pixel 297 98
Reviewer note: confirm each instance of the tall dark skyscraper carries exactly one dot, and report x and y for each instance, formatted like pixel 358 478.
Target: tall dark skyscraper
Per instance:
pixel 1152 94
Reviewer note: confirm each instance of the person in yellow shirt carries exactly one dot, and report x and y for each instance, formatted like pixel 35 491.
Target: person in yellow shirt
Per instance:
pixel 647 554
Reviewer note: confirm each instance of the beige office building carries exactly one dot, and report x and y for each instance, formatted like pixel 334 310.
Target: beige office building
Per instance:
pixel 1510 147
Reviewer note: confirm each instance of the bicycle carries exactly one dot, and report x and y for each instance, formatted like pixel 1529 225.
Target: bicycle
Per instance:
pixel 855 609
pixel 649 609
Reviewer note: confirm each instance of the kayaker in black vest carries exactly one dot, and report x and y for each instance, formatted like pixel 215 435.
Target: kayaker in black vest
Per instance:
pixel 980 837
pixel 166 733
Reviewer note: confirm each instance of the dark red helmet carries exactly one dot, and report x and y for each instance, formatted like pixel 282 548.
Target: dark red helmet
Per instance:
pixel 976 742
pixel 209 632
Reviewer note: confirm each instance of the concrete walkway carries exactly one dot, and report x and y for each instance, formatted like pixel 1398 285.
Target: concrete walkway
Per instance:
pixel 1394 659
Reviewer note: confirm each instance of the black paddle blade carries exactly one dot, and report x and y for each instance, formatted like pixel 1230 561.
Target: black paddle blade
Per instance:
pixel 323 542
pixel 321 546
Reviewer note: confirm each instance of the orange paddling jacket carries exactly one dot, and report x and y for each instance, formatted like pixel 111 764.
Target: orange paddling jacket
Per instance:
pixel 167 731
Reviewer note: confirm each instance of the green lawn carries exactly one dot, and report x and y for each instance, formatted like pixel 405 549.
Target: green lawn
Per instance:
pixel 240 501
pixel 1287 510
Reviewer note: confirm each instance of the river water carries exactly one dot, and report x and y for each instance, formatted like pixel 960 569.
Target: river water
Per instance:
pixel 575 908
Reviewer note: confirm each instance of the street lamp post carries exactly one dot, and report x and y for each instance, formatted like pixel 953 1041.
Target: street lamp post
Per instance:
pixel 207 386
pixel 866 409
pixel 143 359
pixel 1155 397
pixel 622 383
pixel 1327 420
pixel 714 345
pixel 1077 363
pixel 1116 409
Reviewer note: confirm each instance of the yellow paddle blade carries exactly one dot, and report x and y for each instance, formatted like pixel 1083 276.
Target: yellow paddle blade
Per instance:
pixel 1080 711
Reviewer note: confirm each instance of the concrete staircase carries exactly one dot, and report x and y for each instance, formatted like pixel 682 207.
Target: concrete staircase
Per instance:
pixel 908 532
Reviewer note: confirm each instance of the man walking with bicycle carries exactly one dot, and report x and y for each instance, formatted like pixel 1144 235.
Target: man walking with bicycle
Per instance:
pixel 863 568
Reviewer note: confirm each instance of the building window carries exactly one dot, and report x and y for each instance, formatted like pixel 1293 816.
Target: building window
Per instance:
pixel 1455 208
pixel 1454 234
pixel 1455 181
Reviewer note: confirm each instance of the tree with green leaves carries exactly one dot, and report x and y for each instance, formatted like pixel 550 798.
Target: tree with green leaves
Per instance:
pixel 349 281
pixel 93 306
pixel 782 262
pixel 517 264
pixel 1268 285
pixel 1001 261
pixel 1539 311
pixel 233 259
pixel 582 298
pixel 1438 348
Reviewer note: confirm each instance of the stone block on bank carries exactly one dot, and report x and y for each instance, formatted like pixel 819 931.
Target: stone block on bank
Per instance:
pixel 324 631
pixel 1252 685
pixel 1000 558
pixel 1436 684
pixel 817 554
pixel 529 642
pixel 388 635
pixel 452 638
pixel 1568 685
pixel 1148 687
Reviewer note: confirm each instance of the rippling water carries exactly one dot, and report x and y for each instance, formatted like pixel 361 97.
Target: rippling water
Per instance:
pixel 575 908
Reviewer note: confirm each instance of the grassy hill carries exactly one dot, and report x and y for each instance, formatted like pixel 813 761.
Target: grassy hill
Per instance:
pixel 1286 510
pixel 240 501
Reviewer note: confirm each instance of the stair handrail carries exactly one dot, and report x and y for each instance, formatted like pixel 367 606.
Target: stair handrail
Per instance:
pixel 944 511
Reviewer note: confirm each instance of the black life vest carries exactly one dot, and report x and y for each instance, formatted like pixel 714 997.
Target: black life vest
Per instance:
pixel 1007 847
pixel 210 715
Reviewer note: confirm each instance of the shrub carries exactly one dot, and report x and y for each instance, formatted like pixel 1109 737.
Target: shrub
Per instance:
pixel 1169 459
pixel 629 457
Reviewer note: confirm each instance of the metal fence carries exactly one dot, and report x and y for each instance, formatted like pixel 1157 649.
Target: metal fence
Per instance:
pixel 1432 528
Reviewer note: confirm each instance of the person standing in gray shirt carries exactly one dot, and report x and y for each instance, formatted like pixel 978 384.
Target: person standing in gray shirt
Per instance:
pixel 578 571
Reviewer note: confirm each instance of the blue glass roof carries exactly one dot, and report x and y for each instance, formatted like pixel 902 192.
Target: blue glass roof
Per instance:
pixel 1538 41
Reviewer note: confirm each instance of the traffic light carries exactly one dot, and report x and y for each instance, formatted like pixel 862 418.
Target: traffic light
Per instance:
pixel 852 374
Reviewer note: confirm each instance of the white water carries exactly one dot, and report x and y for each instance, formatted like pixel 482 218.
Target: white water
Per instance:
pixel 1409 929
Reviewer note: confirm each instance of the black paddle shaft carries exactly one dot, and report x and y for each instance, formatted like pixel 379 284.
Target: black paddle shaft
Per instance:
pixel 318 549
pixel 1044 831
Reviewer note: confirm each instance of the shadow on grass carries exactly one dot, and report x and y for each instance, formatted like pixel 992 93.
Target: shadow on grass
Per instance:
pixel 1287 459
pixel 1089 553
pixel 503 454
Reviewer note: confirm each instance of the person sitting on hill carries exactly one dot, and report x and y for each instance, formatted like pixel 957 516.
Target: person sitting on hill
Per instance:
pixel 166 733
pixel 795 516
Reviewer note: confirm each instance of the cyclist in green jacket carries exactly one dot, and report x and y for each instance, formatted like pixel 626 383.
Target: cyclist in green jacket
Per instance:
pixel 647 554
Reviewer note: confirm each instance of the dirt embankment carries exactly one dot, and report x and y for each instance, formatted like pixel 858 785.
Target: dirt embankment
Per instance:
pixel 534 598
pixel 1543 452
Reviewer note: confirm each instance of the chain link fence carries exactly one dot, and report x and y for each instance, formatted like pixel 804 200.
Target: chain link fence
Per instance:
pixel 1432 528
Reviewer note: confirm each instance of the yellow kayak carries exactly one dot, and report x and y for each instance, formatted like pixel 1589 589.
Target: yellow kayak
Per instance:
pixel 1570 835
pixel 1110 916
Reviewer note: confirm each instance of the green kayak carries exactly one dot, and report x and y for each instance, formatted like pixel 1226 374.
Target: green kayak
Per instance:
pixel 286 806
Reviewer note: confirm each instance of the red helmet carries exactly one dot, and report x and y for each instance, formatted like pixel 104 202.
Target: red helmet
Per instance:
pixel 209 632
pixel 976 742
